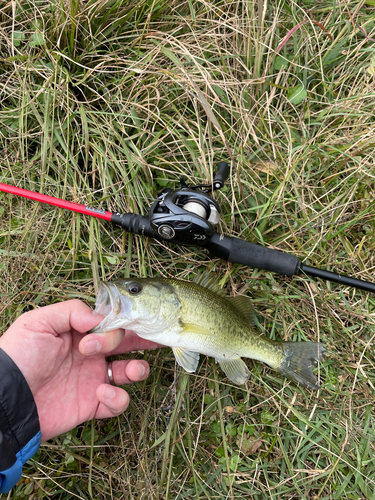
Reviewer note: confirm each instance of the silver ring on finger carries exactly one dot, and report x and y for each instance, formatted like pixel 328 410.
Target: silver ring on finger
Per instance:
pixel 110 372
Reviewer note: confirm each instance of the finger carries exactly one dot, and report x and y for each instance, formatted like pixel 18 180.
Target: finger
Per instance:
pixel 104 343
pixel 129 371
pixel 131 342
pixel 112 401
pixel 61 317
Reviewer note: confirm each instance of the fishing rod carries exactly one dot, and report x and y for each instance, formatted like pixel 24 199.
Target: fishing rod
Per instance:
pixel 188 216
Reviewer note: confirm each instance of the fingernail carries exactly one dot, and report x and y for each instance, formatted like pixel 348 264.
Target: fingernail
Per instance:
pixel 91 347
pixel 141 369
pixel 108 392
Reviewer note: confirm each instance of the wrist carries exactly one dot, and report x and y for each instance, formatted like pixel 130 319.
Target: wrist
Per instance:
pixel 20 434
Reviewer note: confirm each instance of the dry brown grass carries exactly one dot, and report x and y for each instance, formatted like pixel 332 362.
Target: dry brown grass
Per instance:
pixel 111 102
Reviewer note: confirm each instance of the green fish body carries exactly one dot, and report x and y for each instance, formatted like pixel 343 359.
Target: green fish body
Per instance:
pixel 194 319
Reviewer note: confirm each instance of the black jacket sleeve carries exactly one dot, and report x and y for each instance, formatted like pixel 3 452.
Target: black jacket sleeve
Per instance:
pixel 20 434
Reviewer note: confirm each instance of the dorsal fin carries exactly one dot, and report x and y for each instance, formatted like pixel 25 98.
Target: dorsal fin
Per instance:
pixel 244 306
pixel 209 281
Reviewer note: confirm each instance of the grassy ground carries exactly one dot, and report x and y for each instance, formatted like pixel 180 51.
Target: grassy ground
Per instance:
pixel 101 102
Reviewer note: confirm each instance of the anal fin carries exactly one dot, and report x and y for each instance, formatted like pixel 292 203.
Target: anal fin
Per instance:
pixel 187 359
pixel 235 369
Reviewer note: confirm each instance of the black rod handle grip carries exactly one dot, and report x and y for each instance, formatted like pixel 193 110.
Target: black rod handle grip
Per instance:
pixel 252 255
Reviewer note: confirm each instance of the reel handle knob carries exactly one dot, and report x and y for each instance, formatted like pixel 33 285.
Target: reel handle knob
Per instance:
pixel 221 175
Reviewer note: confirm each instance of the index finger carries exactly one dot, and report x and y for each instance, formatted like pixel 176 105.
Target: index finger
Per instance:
pixel 61 317
pixel 131 342
pixel 114 342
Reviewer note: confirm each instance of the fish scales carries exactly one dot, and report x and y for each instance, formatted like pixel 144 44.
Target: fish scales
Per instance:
pixel 221 318
pixel 194 319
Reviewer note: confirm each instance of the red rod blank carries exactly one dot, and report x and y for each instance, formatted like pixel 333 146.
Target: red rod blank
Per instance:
pixel 50 200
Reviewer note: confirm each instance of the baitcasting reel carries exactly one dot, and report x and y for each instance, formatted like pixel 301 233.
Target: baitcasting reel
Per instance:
pixel 187 216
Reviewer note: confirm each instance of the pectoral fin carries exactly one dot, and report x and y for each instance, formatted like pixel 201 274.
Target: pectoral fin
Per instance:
pixel 196 329
pixel 235 369
pixel 187 359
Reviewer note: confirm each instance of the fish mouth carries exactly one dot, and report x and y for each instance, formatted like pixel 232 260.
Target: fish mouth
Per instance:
pixel 114 306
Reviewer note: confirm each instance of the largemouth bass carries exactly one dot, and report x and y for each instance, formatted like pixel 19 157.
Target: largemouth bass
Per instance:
pixel 196 318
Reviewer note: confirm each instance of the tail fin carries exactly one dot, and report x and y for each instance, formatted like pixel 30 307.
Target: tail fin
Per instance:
pixel 300 359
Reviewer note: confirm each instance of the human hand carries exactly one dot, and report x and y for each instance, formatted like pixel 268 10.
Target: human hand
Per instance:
pixel 66 369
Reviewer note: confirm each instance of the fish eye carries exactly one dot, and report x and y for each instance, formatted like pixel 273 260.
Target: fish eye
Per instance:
pixel 134 288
